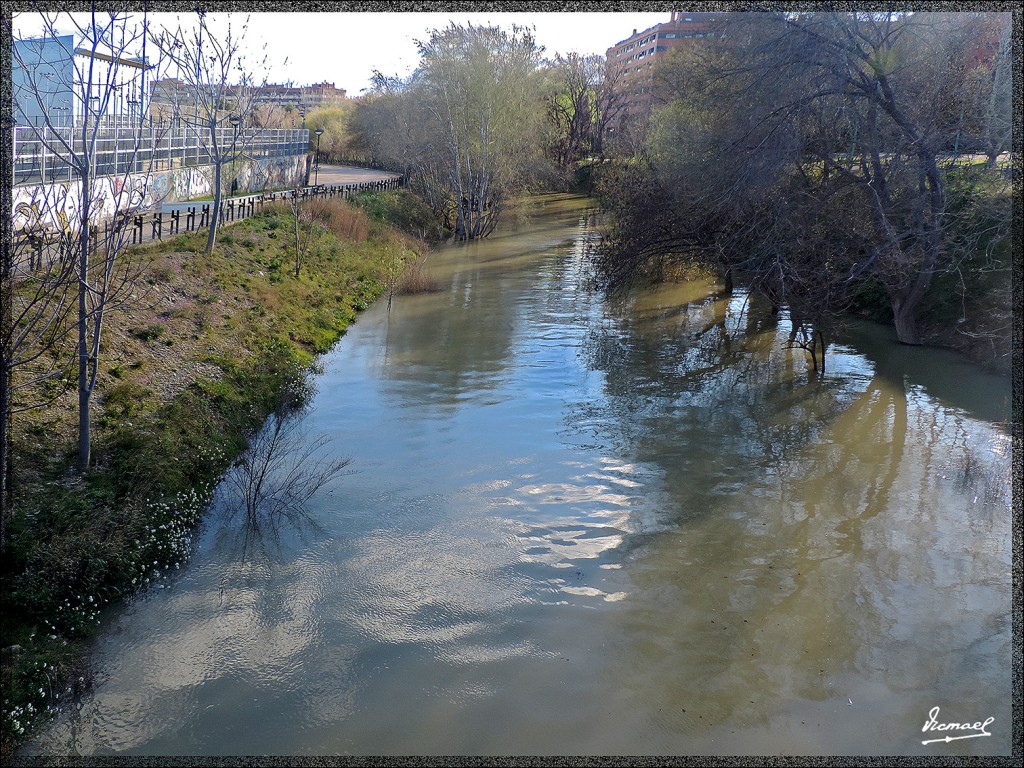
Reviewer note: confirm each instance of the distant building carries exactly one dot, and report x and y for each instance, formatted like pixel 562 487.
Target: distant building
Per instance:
pixel 46 84
pixel 169 92
pixel 630 62
pixel 305 98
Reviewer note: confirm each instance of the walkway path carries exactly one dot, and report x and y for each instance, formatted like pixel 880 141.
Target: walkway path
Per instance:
pixel 346 174
pixel 172 218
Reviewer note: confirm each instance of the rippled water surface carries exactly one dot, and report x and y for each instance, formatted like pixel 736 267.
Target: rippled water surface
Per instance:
pixel 579 527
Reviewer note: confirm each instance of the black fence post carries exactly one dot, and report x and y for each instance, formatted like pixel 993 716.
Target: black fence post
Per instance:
pixel 190 222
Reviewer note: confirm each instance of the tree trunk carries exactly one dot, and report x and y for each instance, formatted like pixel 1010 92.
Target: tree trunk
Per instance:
pixel 84 393
pixel 83 341
pixel 298 258
pixel 903 318
pixel 6 495
pixel 211 239
pixel 6 385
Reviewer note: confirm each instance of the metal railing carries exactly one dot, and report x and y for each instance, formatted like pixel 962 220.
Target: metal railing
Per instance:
pixel 43 154
pixel 40 247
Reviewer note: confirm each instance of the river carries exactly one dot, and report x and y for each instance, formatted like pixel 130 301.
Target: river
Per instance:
pixel 574 526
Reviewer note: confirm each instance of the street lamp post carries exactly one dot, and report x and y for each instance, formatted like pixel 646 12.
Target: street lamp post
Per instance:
pixel 235 120
pixel 316 163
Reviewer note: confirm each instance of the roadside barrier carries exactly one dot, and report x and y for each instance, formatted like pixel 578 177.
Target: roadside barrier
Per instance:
pixel 174 218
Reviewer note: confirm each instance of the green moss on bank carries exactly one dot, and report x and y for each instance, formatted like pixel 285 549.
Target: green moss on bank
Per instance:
pixel 198 356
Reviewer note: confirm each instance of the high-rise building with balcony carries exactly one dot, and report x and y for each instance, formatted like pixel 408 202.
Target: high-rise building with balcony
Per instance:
pixel 631 62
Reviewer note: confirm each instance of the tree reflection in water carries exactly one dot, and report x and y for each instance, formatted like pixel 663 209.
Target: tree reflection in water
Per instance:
pixel 268 488
pixel 847 531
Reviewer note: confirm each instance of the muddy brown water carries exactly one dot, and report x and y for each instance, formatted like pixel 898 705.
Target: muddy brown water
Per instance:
pixel 585 527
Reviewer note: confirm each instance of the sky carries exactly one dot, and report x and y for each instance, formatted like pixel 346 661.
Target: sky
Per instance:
pixel 344 47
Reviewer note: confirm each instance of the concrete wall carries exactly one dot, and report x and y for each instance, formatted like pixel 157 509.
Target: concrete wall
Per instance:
pixel 55 205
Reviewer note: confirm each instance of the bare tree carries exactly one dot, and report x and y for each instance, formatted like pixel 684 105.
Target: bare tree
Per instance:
pixel 303 227
pixel 810 152
pixel 465 128
pixel 102 62
pixel 387 128
pixel 215 96
pixel 571 106
pixel 609 107
pixel 279 473
pixel 999 104
pixel 890 87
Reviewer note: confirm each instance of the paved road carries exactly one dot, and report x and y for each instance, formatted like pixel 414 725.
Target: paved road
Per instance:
pixel 346 174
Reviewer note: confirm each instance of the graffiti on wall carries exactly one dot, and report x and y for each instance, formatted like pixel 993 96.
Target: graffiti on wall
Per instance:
pixel 161 186
pixel 186 183
pixel 54 205
pixel 128 194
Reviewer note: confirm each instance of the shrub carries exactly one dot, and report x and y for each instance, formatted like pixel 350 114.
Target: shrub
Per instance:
pixel 403 211
pixel 125 397
pixel 345 221
pixel 416 279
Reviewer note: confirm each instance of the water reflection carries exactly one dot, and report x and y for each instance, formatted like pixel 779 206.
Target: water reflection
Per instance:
pixel 265 493
pixel 843 573
pixel 585 528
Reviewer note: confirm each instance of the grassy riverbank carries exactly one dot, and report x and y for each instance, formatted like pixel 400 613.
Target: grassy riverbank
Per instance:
pixel 196 357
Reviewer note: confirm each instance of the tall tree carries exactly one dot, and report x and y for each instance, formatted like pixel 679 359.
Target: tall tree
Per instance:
pixel 571 104
pixel 217 98
pixel 105 57
pixel 479 89
pixel 609 105
pixel 336 137
pixel 388 128
pixel 998 88
pixel 791 113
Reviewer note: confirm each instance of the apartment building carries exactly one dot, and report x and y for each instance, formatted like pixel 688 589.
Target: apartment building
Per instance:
pixel 630 62
pixel 304 98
